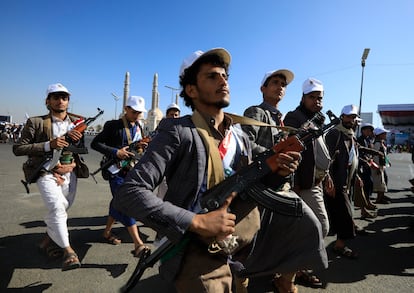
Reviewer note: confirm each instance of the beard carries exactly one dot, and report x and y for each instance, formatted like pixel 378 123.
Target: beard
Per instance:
pixel 348 125
pixel 222 104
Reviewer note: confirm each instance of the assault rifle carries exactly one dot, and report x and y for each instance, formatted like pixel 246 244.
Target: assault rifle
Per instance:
pixel 134 148
pixel 53 157
pixel 242 180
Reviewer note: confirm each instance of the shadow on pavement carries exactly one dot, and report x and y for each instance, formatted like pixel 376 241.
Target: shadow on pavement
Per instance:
pixel 21 252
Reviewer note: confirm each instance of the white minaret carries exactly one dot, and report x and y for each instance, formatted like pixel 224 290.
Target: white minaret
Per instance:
pixel 154 114
pixel 126 90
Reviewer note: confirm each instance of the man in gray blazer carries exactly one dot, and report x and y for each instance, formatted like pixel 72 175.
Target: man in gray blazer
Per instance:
pixel 189 151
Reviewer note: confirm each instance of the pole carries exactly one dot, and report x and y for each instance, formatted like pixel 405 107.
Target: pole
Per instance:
pixel 362 84
pixel 116 98
pixel 363 58
pixel 172 92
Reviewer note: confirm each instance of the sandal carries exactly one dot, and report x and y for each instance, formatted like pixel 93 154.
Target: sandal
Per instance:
pixel 140 250
pixel 112 239
pixel 279 285
pixel 367 215
pixel 345 252
pixel 49 248
pixel 308 279
pixel 70 262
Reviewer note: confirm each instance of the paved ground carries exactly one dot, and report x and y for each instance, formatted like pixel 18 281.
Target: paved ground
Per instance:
pixel 386 263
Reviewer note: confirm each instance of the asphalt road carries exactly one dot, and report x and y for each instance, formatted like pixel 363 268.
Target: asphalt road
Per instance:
pixel 386 262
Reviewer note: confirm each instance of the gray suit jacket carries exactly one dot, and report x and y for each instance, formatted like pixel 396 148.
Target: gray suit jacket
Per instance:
pixel 178 153
pixel 262 138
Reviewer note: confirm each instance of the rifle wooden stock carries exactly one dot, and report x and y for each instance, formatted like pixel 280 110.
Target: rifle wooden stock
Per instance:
pixel 81 127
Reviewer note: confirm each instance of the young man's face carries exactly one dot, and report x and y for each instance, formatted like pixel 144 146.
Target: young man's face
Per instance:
pixel 58 102
pixel 212 88
pixel 349 121
pixel 275 90
pixel 367 132
pixel 131 115
pixel 313 101
pixel 173 113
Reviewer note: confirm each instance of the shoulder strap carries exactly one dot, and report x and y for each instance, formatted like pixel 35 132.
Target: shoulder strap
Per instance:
pixel 250 121
pixel 215 171
pixel 127 131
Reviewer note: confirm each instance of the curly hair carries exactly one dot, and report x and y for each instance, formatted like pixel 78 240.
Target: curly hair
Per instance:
pixel 190 74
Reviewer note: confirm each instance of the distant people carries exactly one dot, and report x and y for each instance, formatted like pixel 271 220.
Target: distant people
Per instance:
pixel 4 136
pixel 173 111
pixel 362 197
pixel 341 143
pixel 57 184
pixel 392 139
pixel 412 160
pixel 113 142
pixel 378 169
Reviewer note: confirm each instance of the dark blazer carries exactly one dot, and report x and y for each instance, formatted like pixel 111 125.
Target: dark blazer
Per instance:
pixel 335 140
pixel 305 174
pixel 110 139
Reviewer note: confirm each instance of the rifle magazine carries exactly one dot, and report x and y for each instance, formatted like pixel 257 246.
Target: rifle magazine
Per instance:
pixel 279 201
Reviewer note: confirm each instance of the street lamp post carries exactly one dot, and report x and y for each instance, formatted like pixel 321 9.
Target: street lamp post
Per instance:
pixel 172 92
pixel 116 98
pixel 363 58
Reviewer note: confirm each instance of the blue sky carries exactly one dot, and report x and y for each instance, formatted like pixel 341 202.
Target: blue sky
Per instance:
pixel 90 45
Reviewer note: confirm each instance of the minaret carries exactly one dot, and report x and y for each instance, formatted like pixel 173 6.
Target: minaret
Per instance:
pixel 126 90
pixel 155 101
pixel 154 114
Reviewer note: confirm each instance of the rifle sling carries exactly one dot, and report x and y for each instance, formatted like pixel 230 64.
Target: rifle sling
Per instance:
pixel 215 171
pixel 127 130
pixel 250 121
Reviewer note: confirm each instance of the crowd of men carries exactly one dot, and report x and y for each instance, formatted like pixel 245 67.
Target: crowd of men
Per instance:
pixel 10 132
pixel 271 221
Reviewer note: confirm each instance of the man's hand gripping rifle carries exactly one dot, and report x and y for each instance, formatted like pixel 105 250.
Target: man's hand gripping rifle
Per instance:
pixel 241 181
pixel 137 148
pixel 54 157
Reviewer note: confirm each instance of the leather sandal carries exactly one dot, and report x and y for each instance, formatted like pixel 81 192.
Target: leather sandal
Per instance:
pixel 308 279
pixel 280 284
pixel 49 248
pixel 140 250
pixel 345 252
pixel 70 262
pixel 112 239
